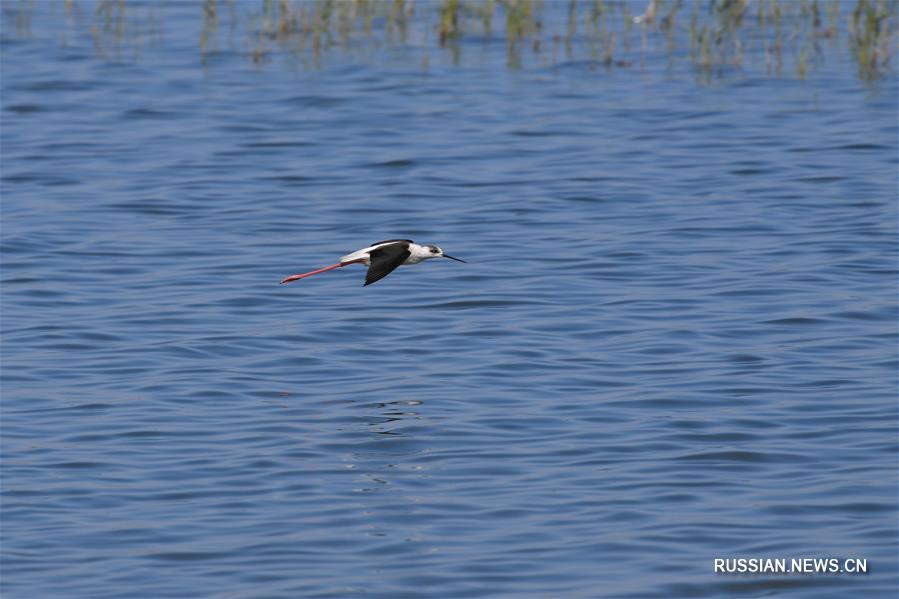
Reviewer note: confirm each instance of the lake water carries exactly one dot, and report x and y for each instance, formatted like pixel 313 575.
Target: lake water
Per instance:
pixel 675 339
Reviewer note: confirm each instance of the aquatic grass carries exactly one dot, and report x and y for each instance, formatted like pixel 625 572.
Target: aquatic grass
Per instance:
pixel 717 38
pixel 24 11
pixel 871 35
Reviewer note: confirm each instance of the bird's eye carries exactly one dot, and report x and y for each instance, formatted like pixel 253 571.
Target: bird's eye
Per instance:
pixel 433 251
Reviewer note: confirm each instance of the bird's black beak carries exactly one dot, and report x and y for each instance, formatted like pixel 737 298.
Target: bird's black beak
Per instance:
pixel 456 259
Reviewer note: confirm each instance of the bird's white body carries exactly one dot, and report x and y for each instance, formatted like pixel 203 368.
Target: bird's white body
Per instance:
pixel 417 253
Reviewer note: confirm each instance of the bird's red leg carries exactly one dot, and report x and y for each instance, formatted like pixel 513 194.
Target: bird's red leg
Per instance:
pixel 315 272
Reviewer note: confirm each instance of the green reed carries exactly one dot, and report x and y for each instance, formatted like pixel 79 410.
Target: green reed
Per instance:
pixel 716 36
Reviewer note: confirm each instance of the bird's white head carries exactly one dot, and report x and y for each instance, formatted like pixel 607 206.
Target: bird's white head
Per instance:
pixel 433 251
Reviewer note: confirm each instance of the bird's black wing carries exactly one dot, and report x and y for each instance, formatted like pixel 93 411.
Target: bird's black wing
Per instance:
pixel 384 261
pixel 393 241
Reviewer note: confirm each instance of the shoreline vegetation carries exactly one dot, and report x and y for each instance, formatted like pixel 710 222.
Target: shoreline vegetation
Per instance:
pixel 782 38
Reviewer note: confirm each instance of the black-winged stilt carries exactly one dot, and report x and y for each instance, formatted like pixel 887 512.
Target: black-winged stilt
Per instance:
pixel 382 258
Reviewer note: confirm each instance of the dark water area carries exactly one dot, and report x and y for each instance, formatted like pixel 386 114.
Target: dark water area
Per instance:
pixel 675 339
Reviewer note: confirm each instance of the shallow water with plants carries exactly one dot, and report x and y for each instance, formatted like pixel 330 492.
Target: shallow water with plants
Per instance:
pixel 675 338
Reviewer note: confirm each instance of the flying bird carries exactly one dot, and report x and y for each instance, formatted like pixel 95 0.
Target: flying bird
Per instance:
pixel 382 258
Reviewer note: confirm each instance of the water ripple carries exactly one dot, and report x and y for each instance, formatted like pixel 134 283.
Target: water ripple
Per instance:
pixel 674 339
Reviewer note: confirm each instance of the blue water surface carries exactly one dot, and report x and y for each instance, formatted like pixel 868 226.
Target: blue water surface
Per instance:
pixel 675 339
